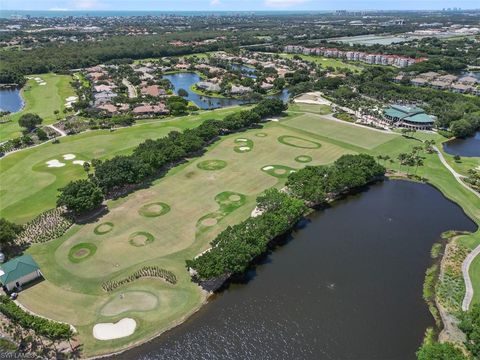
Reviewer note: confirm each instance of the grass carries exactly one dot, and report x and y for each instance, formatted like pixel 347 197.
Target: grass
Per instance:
pixel 36 185
pixel 212 165
pixel 81 252
pixel 41 100
pixel 338 65
pixel 310 108
pixel 103 228
pixel 208 202
pixel 154 209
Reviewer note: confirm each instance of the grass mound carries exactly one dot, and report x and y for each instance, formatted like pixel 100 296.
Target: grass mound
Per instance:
pixel 303 159
pixel 278 171
pixel 154 209
pixel 298 142
pixel 81 252
pixel 228 201
pixel 140 238
pixel 262 134
pixel 103 228
pixel 211 165
pixel 243 145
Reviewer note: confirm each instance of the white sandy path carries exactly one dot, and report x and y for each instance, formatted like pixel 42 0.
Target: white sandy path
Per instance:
pixel 54 163
pixel 110 331
pixel 69 156
pixel 61 132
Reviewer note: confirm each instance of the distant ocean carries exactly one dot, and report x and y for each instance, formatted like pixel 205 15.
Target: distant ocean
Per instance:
pixel 7 14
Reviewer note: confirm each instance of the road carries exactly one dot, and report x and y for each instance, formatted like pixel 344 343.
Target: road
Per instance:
pixel 132 92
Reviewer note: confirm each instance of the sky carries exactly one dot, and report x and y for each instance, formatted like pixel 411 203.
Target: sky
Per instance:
pixel 233 5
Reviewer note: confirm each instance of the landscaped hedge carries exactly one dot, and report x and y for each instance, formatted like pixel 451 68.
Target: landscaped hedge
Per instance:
pixel 146 271
pixel 50 329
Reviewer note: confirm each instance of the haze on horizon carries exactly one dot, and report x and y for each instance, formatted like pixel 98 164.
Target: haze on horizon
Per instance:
pixel 233 5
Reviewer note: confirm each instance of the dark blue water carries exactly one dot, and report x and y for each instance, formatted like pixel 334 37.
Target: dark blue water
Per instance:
pixel 347 286
pixel 10 100
pixel 468 147
pixel 187 79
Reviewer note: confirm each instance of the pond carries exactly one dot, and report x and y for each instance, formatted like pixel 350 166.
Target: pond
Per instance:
pixel 347 285
pixel 187 79
pixel 10 99
pixel 468 147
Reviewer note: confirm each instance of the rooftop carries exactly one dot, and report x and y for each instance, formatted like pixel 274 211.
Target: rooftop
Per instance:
pixel 16 268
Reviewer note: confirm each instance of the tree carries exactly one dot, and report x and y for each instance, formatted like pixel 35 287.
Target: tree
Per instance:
pixel 462 128
pixel 80 196
pixel 30 121
pixel 439 351
pixel 470 325
pixel 182 93
pixel 41 134
pixel 8 232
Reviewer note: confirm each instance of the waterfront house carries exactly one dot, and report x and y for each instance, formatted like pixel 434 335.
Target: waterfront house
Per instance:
pixel 208 86
pixel 411 117
pixel 19 271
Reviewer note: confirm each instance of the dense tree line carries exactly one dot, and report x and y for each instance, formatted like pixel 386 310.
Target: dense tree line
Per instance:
pixel 470 325
pixel 153 156
pixel 318 184
pixel 234 248
pixel 50 329
pixel 8 232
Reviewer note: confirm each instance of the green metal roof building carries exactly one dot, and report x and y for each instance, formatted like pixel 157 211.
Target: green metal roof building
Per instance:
pixel 412 117
pixel 19 271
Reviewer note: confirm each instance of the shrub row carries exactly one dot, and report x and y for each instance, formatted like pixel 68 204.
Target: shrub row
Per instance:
pixel 146 271
pixel 49 225
pixel 50 329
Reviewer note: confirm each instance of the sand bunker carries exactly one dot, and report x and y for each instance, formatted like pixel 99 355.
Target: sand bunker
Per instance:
pixel 54 163
pixel 244 148
pixel 273 119
pixel 109 331
pixel 71 98
pixel 241 140
pixel 266 168
pixel 69 156
pixel 79 162
pixel 42 83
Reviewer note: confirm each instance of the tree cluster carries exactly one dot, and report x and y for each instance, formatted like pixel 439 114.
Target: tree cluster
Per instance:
pixel 234 248
pixel 318 184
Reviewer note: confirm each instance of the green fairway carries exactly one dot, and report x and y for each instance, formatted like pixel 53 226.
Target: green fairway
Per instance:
pixel 326 62
pixel 42 100
pixel 36 184
pixel 178 215
pixel 341 131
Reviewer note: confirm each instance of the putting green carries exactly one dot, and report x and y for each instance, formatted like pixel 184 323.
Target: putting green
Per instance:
pixel 81 252
pixel 243 145
pixel 211 165
pixel 154 209
pixel 303 159
pixel 278 171
pixel 140 238
pixel 103 228
pixel 130 301
pixel 209 221
pixel 298 142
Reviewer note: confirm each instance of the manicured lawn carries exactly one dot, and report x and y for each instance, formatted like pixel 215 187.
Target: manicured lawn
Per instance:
pixel 326 62
pixel 310 108
pixel 203 198
pixel 40 99
pixel 28 187
pixel 348 133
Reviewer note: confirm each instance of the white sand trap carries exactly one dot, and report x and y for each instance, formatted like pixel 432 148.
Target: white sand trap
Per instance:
pixel 241 140
pixel 244 148
pixel 54 163
pixel 79 162
pixel 266 168
pixel 292 171
pixel 69 156
pixel 71 98
pixel 275 120
pixel 42 83
pixel 109 331
pixel 38 79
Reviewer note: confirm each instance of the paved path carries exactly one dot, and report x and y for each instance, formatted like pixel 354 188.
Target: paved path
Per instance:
pixel 132 92
pixel 466 277
pixel 469 259
pixel 61 132
pixel 457 176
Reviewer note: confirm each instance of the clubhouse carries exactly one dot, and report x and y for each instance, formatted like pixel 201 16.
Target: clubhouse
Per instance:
pixel 18 271
pixel 410 117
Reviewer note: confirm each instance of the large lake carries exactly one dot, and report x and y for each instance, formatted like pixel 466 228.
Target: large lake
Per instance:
pixel 348 285
pixel 10 100
pixel 187 79
pixel 468 147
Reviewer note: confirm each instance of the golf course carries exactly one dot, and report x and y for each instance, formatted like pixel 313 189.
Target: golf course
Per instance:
pixel 142 242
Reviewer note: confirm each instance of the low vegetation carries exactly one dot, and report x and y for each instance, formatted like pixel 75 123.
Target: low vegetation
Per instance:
pixel 146 271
